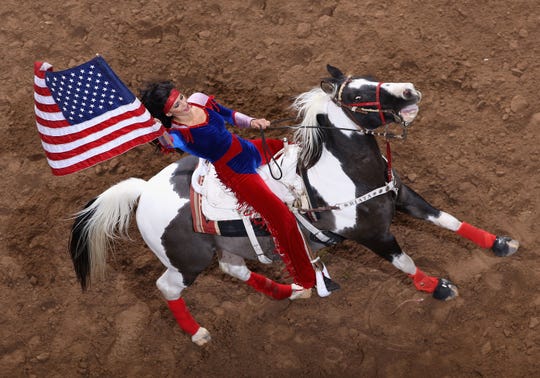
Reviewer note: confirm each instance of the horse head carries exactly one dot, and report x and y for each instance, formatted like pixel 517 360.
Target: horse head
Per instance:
pixel 370 103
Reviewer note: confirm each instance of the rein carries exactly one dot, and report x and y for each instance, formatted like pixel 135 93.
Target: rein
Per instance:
pixel 389 186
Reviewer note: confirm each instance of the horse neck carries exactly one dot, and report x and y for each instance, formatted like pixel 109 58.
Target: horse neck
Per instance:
pixel 358 154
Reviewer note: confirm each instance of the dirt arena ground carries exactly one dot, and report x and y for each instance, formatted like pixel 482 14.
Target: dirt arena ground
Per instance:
pixel 473 151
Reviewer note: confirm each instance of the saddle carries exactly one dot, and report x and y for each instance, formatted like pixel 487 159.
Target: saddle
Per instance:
pixel 215 209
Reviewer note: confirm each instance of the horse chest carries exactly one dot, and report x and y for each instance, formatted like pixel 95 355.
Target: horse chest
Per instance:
pixel 333 186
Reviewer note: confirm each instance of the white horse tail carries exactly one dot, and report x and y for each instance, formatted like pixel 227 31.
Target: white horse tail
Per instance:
pixel 102 220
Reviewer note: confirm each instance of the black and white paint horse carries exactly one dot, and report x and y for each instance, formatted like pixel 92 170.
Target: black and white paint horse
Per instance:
pixel 354 191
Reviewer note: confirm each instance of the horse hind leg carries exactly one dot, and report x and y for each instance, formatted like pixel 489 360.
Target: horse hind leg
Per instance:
pixel 171 285
pixel 413 204
pixel 235 266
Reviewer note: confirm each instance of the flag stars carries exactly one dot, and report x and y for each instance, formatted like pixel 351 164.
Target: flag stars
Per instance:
pixel 85 93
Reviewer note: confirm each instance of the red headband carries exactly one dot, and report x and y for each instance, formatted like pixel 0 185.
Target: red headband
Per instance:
pixel 171 100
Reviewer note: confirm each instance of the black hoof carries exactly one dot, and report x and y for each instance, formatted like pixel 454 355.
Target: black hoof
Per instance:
pixel 331 285
pixel 445 290
pixel 505 246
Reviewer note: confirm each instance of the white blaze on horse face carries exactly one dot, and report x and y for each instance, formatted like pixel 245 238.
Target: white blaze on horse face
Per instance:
pixel 359 83
pixel 334 186
pixel 400 90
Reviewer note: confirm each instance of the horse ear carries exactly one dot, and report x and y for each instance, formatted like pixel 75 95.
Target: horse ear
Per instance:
pixel 334 71
pixel 328 86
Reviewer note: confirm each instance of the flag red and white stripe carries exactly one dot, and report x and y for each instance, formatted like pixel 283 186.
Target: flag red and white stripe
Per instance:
pixel 80 142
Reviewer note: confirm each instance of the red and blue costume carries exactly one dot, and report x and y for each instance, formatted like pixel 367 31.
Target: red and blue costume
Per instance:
pixel 236 160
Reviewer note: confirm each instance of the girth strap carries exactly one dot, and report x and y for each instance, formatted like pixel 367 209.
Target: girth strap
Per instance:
pixel 388 187
pixel 254 242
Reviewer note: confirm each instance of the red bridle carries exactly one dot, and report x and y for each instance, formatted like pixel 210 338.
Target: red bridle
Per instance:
pixel 359 107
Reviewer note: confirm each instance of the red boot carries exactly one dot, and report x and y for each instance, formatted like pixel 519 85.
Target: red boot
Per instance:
pixel 424 282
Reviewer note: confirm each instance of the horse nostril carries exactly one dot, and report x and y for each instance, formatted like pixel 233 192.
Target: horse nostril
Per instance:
pixel 407 93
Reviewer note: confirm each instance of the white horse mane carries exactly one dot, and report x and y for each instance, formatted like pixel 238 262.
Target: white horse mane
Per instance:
pixel 308 136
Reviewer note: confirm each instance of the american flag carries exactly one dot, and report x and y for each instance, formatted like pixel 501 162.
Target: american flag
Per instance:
pixel 86 115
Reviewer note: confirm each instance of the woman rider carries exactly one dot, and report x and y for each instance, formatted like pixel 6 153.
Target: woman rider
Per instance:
pixel 197 125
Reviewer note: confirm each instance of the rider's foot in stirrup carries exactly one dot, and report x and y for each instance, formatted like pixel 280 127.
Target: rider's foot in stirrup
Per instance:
pixel 299 292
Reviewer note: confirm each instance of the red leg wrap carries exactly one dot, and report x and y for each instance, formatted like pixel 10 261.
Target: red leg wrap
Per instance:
pixel 480 237
pixel 268 287
pixel 424 282
pixel 183 317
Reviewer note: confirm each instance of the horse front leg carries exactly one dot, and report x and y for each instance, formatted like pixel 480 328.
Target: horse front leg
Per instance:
pixel 388 248
pixel 171 285
pixel 413 204
pixel 235 266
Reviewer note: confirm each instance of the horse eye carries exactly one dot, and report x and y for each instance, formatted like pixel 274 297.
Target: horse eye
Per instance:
pixel 358 98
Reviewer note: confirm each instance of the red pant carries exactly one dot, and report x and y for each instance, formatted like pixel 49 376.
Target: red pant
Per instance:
pixel 252 190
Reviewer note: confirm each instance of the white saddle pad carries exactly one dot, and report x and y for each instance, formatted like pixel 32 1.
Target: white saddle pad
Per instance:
pixel 219 203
